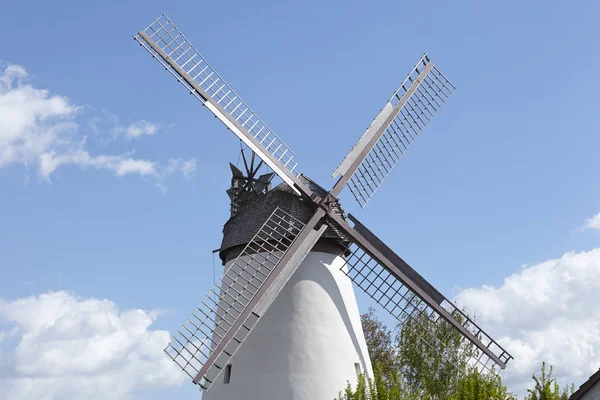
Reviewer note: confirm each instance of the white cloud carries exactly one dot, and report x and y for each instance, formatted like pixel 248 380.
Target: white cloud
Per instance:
pixel 130 166
pixel 40 129
pixel 140 128
pixel 75 348
pixel 187 168
pixel 32 120
pixel 593 223
pixel 545 312
pixel 121 165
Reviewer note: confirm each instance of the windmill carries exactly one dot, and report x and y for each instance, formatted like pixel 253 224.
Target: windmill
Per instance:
pixel 230 322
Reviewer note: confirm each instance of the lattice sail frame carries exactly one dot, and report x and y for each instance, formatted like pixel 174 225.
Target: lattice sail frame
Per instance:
pixel 178 56
pixel 416 108
pixel 409 309
pixel 195 341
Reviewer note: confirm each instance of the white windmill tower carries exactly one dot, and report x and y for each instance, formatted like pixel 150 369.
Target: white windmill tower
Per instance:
pixel 283 323
pixel 312 329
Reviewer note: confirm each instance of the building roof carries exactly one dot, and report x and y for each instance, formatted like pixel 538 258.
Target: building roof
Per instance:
pixel 242 227
pixel 586 386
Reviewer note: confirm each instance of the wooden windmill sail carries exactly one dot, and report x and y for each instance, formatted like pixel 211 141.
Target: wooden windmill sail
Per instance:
pixel 254 280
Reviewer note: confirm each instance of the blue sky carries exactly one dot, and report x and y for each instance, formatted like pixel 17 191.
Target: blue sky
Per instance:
pixel 505 175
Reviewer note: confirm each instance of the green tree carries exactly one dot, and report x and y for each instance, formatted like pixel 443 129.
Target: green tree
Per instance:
pixel 470 386
pixel 475 385
pixel 432 354
pixel 379 342
pixel 435 368
pixel 379 388
pixel 428 361
pixel 547 388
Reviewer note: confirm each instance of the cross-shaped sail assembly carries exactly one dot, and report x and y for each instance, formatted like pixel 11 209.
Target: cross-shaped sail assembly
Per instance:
pixel 218 327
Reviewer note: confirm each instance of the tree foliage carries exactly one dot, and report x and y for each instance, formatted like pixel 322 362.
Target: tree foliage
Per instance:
pixel 432 355
pixel 410 368
pixel 475 385
pixel 379 342
pixel 547 388
pixel 470 386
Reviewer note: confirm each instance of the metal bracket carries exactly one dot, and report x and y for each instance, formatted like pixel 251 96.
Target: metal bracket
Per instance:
pixel 328 203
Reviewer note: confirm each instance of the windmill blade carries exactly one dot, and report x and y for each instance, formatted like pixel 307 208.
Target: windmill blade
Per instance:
pixel 401 120
pixel 219 326
pixel 400 290
pixel 167 44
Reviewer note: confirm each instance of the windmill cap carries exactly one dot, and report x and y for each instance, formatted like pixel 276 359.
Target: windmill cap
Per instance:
pixel 239 230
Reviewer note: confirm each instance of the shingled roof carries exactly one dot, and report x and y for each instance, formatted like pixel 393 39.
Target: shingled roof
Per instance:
pixel 241 227
pixel 586 386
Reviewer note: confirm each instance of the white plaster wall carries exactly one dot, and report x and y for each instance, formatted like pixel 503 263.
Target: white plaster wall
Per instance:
pixel 306 344
pixel 593 393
